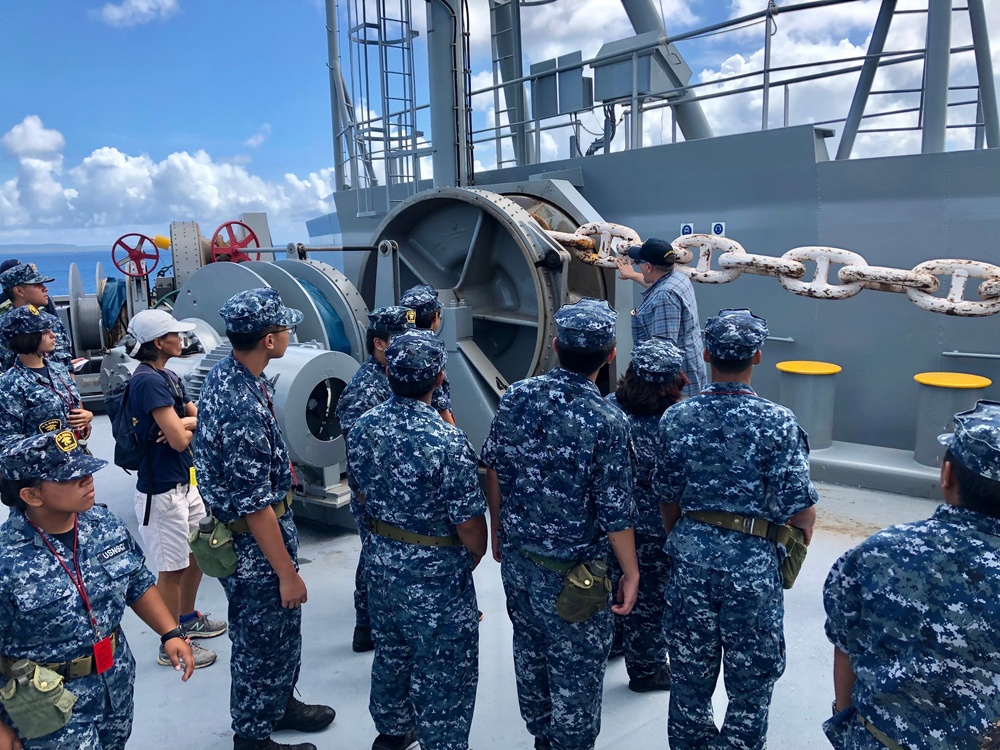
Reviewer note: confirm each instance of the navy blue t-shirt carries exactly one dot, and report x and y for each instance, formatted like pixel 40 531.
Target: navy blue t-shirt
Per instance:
pixel 151 389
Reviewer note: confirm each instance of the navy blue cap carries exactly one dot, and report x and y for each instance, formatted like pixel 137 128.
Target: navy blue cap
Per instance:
pixel 657 360
pixel 735 334
pixel 587 324
pixel 423 298
pixel 256 309
pixel 21 274
pixel 975 443
pixel 26 319
pixel 51 456
pixel 392 320
pixel 654 250
pixel 415 356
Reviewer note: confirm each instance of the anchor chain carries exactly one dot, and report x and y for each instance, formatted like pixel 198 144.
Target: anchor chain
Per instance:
pixel 598 243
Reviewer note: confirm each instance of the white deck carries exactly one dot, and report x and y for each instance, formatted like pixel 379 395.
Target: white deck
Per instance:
pixel 196 715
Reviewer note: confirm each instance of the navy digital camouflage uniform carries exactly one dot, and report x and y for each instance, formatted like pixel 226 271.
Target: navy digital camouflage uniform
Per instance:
pixel 34 400
pixel 368 387
pixel 423 299
pixel 42 617
pixel 669 310
pixel 655 360
pixel 727 450
pixel 243 466
pixel 418 473
pixel 915 607
pixel 558 450
pixel 27 273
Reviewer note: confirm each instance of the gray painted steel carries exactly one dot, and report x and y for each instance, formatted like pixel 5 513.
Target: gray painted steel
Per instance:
pixel 812 399
pixel 937 63
pixel 936 407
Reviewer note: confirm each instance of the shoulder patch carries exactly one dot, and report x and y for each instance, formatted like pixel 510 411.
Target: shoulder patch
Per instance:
pixel 112 551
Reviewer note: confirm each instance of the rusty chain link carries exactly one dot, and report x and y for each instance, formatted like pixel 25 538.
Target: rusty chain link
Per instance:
pixel 919 284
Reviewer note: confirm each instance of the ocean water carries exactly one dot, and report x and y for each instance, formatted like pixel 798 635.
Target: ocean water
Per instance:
pixel 56 263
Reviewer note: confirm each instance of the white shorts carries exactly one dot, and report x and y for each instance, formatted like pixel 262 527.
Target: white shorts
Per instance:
pixel 172 516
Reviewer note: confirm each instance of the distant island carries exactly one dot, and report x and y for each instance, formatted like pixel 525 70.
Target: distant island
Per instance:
pixel 26 249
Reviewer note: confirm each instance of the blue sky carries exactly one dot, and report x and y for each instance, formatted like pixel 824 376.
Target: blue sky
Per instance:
pixel 122 116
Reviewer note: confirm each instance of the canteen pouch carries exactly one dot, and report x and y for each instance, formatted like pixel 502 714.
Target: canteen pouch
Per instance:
pixel 584 592
pixel 795 549
pixel 212 546
pixel 39 703
pixel 838 728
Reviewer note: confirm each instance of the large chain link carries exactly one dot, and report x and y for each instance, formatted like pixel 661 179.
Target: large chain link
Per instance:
pixel 919 284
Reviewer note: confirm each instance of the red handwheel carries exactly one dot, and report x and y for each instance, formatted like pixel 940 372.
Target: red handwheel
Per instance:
pixel 130 252
pixel 231 249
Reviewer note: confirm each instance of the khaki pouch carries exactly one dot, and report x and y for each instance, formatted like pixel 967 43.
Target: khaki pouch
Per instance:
pixel 585 591
pixel 38 704
pixel 212 546
pixel 795 547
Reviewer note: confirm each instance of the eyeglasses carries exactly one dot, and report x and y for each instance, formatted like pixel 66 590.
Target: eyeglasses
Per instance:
pixel 290 329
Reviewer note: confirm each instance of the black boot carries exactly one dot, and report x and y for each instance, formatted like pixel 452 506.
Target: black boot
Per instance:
pixel 362 640
pixel 542 744
pixel 658 681
pixel 302 717
pixel 242 743
pixel 395 741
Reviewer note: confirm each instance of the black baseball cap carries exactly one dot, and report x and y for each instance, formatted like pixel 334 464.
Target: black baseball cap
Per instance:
pixel 654 250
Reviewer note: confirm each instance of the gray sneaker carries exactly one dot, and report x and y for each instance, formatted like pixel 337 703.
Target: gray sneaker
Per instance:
pixel 202 657
pixel 202 627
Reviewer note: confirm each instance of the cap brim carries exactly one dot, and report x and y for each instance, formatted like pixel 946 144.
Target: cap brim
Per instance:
pixel 946 438
pixel 635 252
pixel 289 316
pixel 79 466
pixel 182 327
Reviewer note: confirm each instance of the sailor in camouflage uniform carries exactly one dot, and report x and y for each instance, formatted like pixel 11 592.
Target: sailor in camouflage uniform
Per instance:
pixel 24 285
pixel 652 383
pixel 423 299
pixel 39 393
pixel 728 456
pixel 368 388
pixel 418 477
pixel 559 487
pixel 913 612
pixel 54 529
pixel 245 478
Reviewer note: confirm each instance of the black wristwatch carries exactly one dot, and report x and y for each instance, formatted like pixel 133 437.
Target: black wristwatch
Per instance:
pixel 171 634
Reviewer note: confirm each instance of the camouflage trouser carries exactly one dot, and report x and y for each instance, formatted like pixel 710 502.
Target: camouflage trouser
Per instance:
pixel 361 518
pixel 426 665
pixel 96 724
pixel 734 619
pixel 267 651
pixel 559 665
pixel 645 643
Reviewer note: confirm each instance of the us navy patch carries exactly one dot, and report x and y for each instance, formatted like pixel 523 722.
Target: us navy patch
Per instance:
pixel 112 551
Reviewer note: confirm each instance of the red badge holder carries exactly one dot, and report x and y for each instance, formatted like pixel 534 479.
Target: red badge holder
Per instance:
pixel 104 656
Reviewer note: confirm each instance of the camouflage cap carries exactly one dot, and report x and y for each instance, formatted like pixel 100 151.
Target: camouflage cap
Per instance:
pixel 587 324
pixel 52 456
pixel 392 320
pixel 975 443
pixel 423 299
pixel 415 355
pixel 26 319
pixel 256 309
pixel 23 273
pixel 735 334
pixel 657 360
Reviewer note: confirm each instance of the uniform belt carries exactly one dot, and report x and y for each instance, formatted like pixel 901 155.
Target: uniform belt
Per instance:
pixel 411 537
pixel 773 532
pixel 556 566
pixel 68 670
pixel 240 525
pixel 878 734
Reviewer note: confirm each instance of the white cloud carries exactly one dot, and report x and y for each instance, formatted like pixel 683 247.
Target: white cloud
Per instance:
pixel 137 12
pixel 258 138
pixel 30 138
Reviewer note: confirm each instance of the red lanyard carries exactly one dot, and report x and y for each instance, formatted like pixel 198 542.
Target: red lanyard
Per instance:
pixel 75 575
pixel 51 385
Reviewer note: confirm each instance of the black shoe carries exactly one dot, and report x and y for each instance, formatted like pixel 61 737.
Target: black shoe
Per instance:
pixel 395 741
pixel 542 744
pixel 659 681
pixel 302 717
pixel 617 643
pixel 362 639
pixel 242 743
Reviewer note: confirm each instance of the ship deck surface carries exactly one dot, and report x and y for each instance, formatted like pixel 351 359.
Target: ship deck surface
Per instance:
pixel 196 714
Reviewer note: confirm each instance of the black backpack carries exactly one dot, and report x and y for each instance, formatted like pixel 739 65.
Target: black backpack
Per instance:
pixel 129 451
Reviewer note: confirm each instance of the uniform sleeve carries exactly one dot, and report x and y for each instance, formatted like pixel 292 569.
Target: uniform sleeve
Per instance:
pixel 246 469
pixel 793 485
pixel 441 398
pixel 611 479
pixel 142 579
pixel 842 601
pixel 12 412
pixel 460 484
pixel 490 454
pixel 358 457
pixel 63 353
pixel 668 478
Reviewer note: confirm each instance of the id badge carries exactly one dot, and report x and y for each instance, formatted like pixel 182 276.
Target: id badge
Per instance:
pixel 104 657
pixel 194 480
